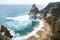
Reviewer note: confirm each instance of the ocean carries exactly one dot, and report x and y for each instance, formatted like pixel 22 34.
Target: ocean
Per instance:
pixel 16 19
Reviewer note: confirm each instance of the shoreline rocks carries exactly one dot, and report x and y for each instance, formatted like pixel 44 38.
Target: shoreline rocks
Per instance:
pixel 33 12
pixel 51 14
pixel 5 34
pixel 54 10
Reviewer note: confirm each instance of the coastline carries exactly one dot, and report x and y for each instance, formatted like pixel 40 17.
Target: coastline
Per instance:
pixel 41 25
pixel 43 35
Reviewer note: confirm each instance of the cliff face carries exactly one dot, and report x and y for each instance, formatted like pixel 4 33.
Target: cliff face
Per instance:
pixel 53 4
pixel 51 14
pixel 53 9
pixel 34 9
pixel 33 12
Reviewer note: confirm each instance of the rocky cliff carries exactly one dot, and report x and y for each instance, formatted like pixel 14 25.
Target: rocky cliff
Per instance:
pixel 53 10
pixel 51 14
pixel 52 4
pixel 33 12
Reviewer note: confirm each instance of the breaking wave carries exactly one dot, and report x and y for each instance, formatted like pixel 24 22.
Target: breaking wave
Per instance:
pixel 22 27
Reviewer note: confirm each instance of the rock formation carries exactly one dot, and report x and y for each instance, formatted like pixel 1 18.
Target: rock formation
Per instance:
pixel 5 34
pixel 33 12
pixel 52 16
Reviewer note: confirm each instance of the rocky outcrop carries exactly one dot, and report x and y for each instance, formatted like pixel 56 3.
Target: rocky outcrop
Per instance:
pixel 56 35
pixel 5 34
pixel 33 12
pixel 53 10
pixel 34 9
pixel 51 15
pixel 52 4
pixel 48 9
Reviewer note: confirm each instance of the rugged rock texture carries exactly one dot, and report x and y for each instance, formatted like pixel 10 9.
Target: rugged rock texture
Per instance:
pixel 33 12
pixel 52 16
pixel 34 9
pixel 5 34
pixel 52 4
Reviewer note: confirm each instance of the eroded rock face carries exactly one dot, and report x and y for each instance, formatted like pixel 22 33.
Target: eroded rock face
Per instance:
pixel 33 12
pixel 34 9
pixel 57 30
pixel 54 19
pixel 51 14
pixel 5 34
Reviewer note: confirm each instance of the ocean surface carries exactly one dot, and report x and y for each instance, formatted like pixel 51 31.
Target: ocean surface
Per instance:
pixel 15 18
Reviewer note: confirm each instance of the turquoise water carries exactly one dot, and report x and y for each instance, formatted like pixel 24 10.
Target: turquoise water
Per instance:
pixel 14 10
pixel 21 27
pixel 18 27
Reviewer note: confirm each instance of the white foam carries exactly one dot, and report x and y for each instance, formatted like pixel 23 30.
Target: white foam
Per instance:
pixel 24 18
pixel 30 34
pixel 19 18
pixel 36 35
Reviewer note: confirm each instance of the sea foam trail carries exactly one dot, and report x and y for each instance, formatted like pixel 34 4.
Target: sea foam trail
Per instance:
pixel 30 34
pixel 24 18
pixel 19 18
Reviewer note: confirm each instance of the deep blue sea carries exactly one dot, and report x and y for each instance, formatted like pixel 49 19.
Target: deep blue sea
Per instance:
pixel 15 17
